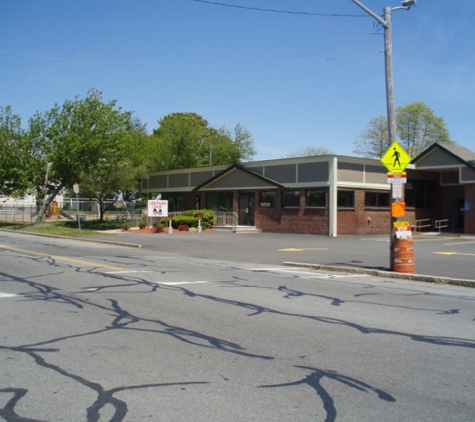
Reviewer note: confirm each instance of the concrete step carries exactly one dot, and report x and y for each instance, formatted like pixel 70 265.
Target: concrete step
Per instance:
pixel 238 229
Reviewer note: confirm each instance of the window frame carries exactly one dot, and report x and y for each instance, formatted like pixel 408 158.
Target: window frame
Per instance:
pixel 271 193
pixel 318 190
pixel 352 195
pixel 286 193
pixel 386 203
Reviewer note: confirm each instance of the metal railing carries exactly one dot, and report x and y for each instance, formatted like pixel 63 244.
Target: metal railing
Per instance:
pixel 442 224
pixel 421 224
pixel 437 225
pixel 222 219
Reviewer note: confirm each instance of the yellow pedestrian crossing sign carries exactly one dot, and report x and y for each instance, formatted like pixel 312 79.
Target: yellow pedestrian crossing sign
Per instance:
pixel 395 159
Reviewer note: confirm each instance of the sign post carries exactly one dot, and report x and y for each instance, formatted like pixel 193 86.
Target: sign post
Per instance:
pixel 396 160
pixel 76 191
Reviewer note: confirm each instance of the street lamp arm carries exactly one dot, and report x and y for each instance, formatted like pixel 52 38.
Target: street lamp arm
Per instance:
pixel 371 13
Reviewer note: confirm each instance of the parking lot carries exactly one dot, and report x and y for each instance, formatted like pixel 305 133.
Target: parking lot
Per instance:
pixel 436 255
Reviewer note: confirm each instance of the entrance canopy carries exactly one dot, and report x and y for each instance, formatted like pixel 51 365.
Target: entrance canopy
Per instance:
pixel 238 177
pixel 456 164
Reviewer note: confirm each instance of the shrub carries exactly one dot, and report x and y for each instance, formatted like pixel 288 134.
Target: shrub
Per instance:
pixel 125 227
pixel 142 225
pixel 207 217
pixel 158 229
pixel 183 227
pixel 184 220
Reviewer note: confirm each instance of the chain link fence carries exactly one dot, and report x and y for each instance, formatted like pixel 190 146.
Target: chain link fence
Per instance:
pixel 72 209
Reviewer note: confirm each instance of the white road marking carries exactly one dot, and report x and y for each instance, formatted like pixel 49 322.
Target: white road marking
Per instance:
pixel 179 283
pixel 306 274
pixel 3 295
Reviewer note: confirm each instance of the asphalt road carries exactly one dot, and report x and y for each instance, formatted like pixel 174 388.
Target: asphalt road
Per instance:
pixel 451 256
pixel 94 332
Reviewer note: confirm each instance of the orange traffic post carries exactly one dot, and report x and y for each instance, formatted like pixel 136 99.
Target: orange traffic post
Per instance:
pixel 404 259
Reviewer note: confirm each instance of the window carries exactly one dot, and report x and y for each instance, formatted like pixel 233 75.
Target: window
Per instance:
pixel 346 199
pixel 220 202
pixel 376 199
pixel 176 202
pixel 268 199
pixel 316 198
pixel 291 199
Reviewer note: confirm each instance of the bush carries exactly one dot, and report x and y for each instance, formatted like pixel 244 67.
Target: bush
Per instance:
pixel 180 220
pixel 183 227
pixel 142 225
pixel 207 217
pixel 125 227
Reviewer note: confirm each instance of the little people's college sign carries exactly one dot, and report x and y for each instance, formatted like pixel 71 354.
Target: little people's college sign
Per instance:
pixel 157 208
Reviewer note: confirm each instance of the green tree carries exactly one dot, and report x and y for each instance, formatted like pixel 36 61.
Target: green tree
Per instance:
pixel 309 152
pixel 84 140
pixel 118 174
pixel 13 155
pixel 417 128
pixel 373 142
pixel 186 139
pixel 228 147
pixel 179 140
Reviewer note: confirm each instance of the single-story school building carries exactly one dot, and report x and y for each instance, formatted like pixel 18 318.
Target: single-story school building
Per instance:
pixel 327 195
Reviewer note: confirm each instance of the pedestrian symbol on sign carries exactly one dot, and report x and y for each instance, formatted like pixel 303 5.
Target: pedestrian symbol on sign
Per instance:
pixel 395 159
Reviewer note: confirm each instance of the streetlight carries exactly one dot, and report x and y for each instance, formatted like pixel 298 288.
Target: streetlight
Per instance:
pixel 386 22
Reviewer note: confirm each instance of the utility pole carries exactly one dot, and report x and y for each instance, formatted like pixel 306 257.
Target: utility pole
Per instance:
pixel 386 22
pixel 388 60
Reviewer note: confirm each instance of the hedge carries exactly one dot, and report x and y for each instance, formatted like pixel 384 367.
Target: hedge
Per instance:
pixel 207 217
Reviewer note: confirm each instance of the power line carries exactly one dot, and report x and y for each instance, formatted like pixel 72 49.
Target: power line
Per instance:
pixel 206 66
pixel 289 12
pixel 235 19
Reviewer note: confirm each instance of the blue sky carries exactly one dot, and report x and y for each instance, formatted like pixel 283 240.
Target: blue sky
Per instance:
pixel 312 78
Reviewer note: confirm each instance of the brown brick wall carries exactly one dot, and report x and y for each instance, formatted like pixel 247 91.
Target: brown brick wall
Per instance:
pixel 315 220
pixel 356 221
pixel 353 221
pixel 300 220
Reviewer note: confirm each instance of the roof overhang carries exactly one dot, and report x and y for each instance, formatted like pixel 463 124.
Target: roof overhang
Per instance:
pixel 237 176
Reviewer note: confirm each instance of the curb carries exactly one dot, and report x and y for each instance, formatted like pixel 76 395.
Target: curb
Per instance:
pixel 382 273
pixel 82 239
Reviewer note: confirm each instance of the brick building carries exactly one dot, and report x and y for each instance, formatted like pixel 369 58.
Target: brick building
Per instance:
pixel 327 195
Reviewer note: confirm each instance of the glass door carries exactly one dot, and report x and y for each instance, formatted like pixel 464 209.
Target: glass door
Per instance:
pixel 246 209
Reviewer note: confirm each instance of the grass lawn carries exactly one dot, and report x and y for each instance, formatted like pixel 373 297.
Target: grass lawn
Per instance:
pixel 67 228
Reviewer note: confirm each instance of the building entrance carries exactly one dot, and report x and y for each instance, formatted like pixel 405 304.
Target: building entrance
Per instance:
pixel 246 209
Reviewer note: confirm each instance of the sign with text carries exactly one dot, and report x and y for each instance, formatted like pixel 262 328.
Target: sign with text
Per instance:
pixel 402 229
pixel 396 158
pixel 397 177
pixel 157 208
pixel 396 190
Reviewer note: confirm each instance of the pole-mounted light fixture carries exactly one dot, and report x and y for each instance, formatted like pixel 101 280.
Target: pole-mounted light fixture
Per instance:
pixel 409 3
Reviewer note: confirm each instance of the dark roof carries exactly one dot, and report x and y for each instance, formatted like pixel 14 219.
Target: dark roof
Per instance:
pixel 464 155
pixel 242 168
